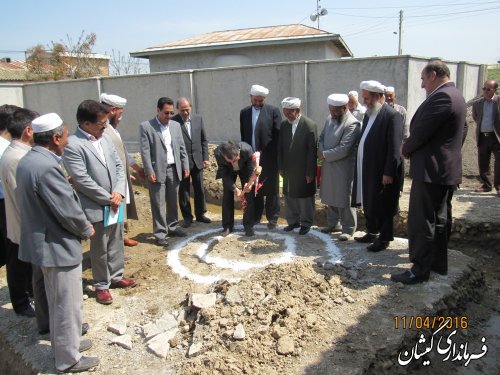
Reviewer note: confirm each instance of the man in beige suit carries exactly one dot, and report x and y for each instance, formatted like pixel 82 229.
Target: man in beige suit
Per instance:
pixel 486 114
pixel 116 105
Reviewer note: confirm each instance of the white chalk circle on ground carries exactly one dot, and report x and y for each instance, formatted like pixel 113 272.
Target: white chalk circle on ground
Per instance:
pixel 290 240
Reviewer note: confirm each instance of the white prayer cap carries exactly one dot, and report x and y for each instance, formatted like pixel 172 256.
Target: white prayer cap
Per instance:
pixel 337 100
pixel 353 93
pixel 372 86
pixel 291 103
pixel 258 90
pixel 46 122
pixel 389 89
pixel 113 100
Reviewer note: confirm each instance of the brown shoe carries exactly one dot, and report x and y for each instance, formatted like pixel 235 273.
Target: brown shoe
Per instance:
pixel 103 296
pixel 483 189
pixel 130 242
pixel 124 283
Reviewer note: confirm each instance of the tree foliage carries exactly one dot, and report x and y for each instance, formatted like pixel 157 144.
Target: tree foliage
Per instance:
pixel 66 59
pixel 120 65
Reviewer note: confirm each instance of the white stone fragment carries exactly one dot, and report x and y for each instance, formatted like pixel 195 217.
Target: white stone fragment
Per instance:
pixel 117 328
pixel 125 341
pixel 239 332
pixel 203 301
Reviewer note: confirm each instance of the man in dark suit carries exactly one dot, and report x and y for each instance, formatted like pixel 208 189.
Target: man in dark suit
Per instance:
pixel 165 164
pixel 196 143
pixel 52 227
pixel 486 114
pixel 378 167
pixel 235 160
pixel 434 150
pixel 297 153
pixel 259 127
pixel 98 177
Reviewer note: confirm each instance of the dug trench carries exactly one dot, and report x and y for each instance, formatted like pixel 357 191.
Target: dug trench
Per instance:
pixel 279 303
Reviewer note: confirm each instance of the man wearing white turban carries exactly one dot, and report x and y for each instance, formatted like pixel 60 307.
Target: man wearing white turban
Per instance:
pixel 336 147
pixel 297 151
pixel 259 127
pixel 378 167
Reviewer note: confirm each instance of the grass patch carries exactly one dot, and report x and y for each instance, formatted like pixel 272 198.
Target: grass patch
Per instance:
pixel 494 73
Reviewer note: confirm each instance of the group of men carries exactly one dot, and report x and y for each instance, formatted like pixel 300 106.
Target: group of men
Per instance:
pixel 60 189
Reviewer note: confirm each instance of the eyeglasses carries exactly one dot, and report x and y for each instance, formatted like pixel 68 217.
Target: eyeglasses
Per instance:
pixel 171 113
pixel 488 89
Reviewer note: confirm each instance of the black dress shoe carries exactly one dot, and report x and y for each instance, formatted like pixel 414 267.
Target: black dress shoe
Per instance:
pixel 84 364
pixel 187 223
pixel 84 345
pixel 304 230
pixel 327 230
pixel 203 219
pixel 408 277
pixel 162 242
pixel 249 232
pixel 440 271
pixel 28 311
pixel 291 227
pixel 367 238
pixel 176 233
pixel 377 246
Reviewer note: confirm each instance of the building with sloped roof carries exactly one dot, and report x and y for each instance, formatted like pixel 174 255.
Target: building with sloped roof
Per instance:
pixel 262 45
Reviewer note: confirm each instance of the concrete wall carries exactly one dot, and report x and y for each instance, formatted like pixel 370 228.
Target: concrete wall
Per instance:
pixel 243 56
pixel 11 93
pixel 220 93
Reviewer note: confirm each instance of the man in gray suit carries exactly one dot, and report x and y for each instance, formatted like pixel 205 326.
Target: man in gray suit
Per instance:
pixel 99 179
pixel 486 114
pixel 336 147
pixel 165 164
pixel 196 143
pixel 52 226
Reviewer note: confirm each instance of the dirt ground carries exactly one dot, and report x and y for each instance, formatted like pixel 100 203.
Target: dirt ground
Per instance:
pixel 283 305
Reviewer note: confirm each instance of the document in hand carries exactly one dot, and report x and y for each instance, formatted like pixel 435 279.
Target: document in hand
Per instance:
pixel 111 217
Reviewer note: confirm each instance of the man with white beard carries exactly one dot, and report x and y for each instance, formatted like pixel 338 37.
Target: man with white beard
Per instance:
pixel 378 171
pixel 336 147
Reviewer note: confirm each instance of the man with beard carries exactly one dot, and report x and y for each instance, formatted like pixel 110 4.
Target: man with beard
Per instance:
pixel 99 179
pixel 434 149
pixel 355 106
pixel 336 147
pixel 115 105
pixel 297 158
pixel 259 127
pixel 378 167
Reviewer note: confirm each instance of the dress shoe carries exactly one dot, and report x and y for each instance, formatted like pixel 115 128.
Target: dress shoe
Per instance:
pixel 272 224
pixel 187 223
pixel 304 230
pixel 124 283
pixel 367 238
pixel 345 237
pixel 84 345
pixel 203 219
pixel 103 296
pixel 327 230
pixel 84 364
pixel 408 277
pixel 176 233
pixel 439 271
pixel 85 329
pixel 249 232
pixel 226 231
pixel 162 242
pixel 291 227
pixel 130 242
pixel 483 189
pixel 28 311
pixel 377 246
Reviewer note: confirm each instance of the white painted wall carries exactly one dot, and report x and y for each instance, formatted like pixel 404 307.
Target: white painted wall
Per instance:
pixel 11 93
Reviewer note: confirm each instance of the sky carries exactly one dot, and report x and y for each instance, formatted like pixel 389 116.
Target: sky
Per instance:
pixel 457 30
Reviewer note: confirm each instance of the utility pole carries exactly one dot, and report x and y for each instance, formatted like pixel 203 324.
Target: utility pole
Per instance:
pixel 400 45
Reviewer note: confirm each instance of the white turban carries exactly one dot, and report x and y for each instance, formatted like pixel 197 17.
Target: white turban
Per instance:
pixel 113 100
pixel 372 86
pixel 258 90
pixel 353 93
pixel 337 100
pixel 291 103
pixel 46 122
pixel 389 89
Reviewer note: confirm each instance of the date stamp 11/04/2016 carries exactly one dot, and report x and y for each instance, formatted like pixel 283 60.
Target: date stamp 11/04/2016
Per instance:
pixel 440 341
